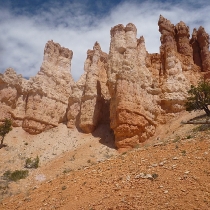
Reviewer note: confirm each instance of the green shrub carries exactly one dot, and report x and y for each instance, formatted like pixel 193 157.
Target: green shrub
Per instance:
pixel 154 176
pixel 199 97
pixel 32 163
pixel 204 127
pixel 67 170
pixel 5 128
pixel 15 175
pixel 64 187
pixel 183 152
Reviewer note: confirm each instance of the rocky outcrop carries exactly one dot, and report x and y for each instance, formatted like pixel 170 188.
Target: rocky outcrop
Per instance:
pixel 94 90
pixel 13 96
pixel 49 90
pixel 177 65
pixel 203 40
pixel 129 81
pixel 182 39
pixel 74 102
pixel 196 49
pixel 39 103
pixel 146 88
pixel 130 89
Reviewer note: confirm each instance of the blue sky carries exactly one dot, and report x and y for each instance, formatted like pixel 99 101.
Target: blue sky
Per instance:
pixel 26 26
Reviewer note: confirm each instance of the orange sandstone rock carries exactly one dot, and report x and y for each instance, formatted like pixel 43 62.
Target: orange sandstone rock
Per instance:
pixel 92 98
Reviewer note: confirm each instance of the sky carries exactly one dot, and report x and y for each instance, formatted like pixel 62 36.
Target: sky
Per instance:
pixel 27 25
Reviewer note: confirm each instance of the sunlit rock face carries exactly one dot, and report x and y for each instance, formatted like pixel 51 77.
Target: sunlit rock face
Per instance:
pixel 129 88
pixel 178 67
pixel 203 40
pixel 49 90
pixel 95 90
pixel 39 103
pixel 147 88
pixel 13 96
pixel 133 106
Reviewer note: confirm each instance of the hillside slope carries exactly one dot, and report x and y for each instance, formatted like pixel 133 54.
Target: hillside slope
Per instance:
pixel 169 171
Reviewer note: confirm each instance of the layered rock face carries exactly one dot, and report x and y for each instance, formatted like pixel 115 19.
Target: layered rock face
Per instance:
pixel 41 102
pixel 130 89
pixel 203 40
pixel 94 90
pixel 147 88
pixel 13 96
pixel 178 67
pixel 49 90
pixel 129 81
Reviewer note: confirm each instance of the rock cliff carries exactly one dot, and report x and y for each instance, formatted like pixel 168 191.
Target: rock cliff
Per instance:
pixel 129 88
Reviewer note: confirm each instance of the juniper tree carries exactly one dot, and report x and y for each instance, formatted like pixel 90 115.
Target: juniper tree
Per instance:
pixel 5 128
pixel 199 97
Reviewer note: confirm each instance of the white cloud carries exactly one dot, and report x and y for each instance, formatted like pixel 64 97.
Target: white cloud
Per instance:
pixel 23 37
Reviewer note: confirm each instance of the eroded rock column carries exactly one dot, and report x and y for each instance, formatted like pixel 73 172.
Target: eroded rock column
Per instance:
pixel 203 40
pixel 49 90
pixel 92 99
pixel 174 84
pixel 132 118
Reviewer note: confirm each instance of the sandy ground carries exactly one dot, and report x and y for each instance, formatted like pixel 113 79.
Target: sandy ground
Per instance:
pixel 60 150
pixel 80 171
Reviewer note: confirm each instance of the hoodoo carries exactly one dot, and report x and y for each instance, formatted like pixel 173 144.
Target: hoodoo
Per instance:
pixel 130 89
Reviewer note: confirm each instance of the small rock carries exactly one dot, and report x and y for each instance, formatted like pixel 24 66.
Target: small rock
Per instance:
pixel 128 178
pixel 161 163
pixel 173 166
pixel 154 164
pixel 144 176
pixel 158 144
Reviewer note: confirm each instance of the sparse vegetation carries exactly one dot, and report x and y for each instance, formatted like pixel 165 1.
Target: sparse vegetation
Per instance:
pixel 177 139
pixel 183 152
pixel 4 185
pixel 199 97
pixel 5 128
pixel 137 146
pixel 63 187
pixel 67 170
pixel 204 127
pixel 154 176
pixel 32 163
pixel 72 158
pixel 15 175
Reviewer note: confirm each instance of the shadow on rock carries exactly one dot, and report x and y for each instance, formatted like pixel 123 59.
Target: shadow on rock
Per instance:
pixel 106 135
